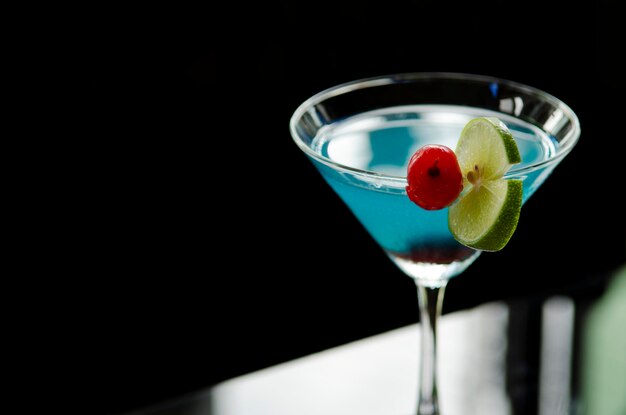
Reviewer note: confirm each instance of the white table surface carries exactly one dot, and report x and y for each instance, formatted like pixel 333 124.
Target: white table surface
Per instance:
pixel 375 376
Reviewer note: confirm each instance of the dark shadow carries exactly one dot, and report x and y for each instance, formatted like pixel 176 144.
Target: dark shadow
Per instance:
pixel 200 403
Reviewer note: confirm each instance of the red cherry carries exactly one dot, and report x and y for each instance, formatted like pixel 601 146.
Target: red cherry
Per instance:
pixel 434 176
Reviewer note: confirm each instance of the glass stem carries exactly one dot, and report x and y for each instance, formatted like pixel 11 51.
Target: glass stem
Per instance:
pixel 430 300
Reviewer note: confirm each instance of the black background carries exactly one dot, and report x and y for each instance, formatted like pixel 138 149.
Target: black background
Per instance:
pixel 211 245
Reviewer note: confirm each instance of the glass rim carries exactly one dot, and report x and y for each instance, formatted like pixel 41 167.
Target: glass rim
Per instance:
pixel 565 145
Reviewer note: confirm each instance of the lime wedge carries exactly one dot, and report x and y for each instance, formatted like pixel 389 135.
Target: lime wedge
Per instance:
pixel 486 215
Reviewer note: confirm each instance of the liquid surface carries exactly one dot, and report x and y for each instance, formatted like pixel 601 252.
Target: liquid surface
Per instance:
pixel 382 142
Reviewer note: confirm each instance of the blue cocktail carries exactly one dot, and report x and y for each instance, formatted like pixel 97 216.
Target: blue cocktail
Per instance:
pixel 361 136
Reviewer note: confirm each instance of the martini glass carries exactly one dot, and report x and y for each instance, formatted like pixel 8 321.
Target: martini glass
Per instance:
pixel 361 135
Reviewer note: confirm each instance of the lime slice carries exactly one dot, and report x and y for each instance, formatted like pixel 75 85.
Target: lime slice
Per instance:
pixel 488 143
pixel 486 216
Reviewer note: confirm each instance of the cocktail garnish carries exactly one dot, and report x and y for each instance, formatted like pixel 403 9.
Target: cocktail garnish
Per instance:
pixel 486 215
pixel 434 177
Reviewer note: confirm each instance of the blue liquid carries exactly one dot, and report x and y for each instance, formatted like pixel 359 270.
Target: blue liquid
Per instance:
pixel 383 142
